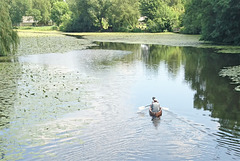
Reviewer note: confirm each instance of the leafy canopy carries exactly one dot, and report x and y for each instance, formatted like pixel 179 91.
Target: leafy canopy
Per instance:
pixel 58 11
pixel 216 20
pixel 93 15
pixel 8 37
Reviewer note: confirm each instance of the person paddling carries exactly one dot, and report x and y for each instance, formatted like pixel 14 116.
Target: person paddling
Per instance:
pixel 155 106
pixel 153 99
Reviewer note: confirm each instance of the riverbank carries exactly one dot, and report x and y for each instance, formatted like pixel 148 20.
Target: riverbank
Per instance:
pixel 37 41
pixel 40 42
pixel 166 38
pixel 87 39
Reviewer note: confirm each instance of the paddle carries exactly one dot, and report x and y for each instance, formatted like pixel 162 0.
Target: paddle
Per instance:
pixel 145 107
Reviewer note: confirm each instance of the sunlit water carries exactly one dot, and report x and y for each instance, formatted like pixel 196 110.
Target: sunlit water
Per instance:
pixel 83 105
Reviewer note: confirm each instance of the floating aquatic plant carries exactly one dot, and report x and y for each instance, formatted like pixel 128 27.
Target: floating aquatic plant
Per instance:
pixel 233 73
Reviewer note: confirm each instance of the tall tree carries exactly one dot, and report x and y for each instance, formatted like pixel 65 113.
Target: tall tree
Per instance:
pixel 124 14
pixel 216 20
pixel 81 18
pixel 8 37
pixel 44 6
pixel 99 11
pixel 221 21
pixel 192 17
pixel 18 9
pixel 90 15
pixel 54 1
pixel 161 15
pixel 59 10
pixel 35 13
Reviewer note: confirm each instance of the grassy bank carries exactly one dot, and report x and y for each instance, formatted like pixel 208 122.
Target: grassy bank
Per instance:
pixel 41 28
pixel 171 39
pixel 166 38
pixel 40 42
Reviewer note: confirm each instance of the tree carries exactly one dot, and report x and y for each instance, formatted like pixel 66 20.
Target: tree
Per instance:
pixel 192 17
pixel 54 1
pixel 58 11
pixel 216 20
pixel 99 11
pixel 44 6
pixel 8 37
pixel 161 15
pixel 124 14
pixel 81 18
pixel 18 9
pixel 221 21
pixel 35 13
pixel 91 15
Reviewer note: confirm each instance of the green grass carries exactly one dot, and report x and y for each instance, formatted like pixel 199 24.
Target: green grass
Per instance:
pixel 40 42
pixel 41 28
pixel 166 38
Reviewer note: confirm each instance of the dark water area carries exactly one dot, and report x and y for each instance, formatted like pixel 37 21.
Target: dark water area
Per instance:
pixel 84 105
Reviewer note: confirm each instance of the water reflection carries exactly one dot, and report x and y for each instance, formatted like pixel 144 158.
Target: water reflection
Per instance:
pixel 201 68
pixel 201 73
pixel 156 121
pixel 47 99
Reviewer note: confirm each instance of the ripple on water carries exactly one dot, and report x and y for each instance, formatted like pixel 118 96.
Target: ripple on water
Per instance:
pixel 52 115
pixel 137 138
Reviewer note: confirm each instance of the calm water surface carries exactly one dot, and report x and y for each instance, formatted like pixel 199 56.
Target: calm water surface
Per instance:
pixel 83 105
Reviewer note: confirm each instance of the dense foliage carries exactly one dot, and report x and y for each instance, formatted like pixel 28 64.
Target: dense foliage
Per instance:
pixel 216 20
pixel 192 18
pixel 81 19
pixel 18 9
pixel 162 15
pixel 59 11
pixel 40 9
pixel 123 15
pixel 94 15
pixel 8 37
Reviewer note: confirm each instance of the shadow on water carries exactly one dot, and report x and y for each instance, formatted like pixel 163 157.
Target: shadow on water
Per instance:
pixel 76 36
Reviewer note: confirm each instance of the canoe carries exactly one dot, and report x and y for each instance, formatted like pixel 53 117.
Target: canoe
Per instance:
pixel 157 114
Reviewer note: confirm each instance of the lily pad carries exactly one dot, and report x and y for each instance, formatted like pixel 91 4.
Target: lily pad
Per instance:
pixel 233 73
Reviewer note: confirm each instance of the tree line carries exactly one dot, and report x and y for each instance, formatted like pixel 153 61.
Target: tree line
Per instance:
pixel 215 20
pixel 123 15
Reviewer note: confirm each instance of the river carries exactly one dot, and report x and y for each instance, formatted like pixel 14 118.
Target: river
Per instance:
pixel 84 105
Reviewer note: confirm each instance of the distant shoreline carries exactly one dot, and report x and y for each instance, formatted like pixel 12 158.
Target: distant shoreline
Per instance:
pixel 165 38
